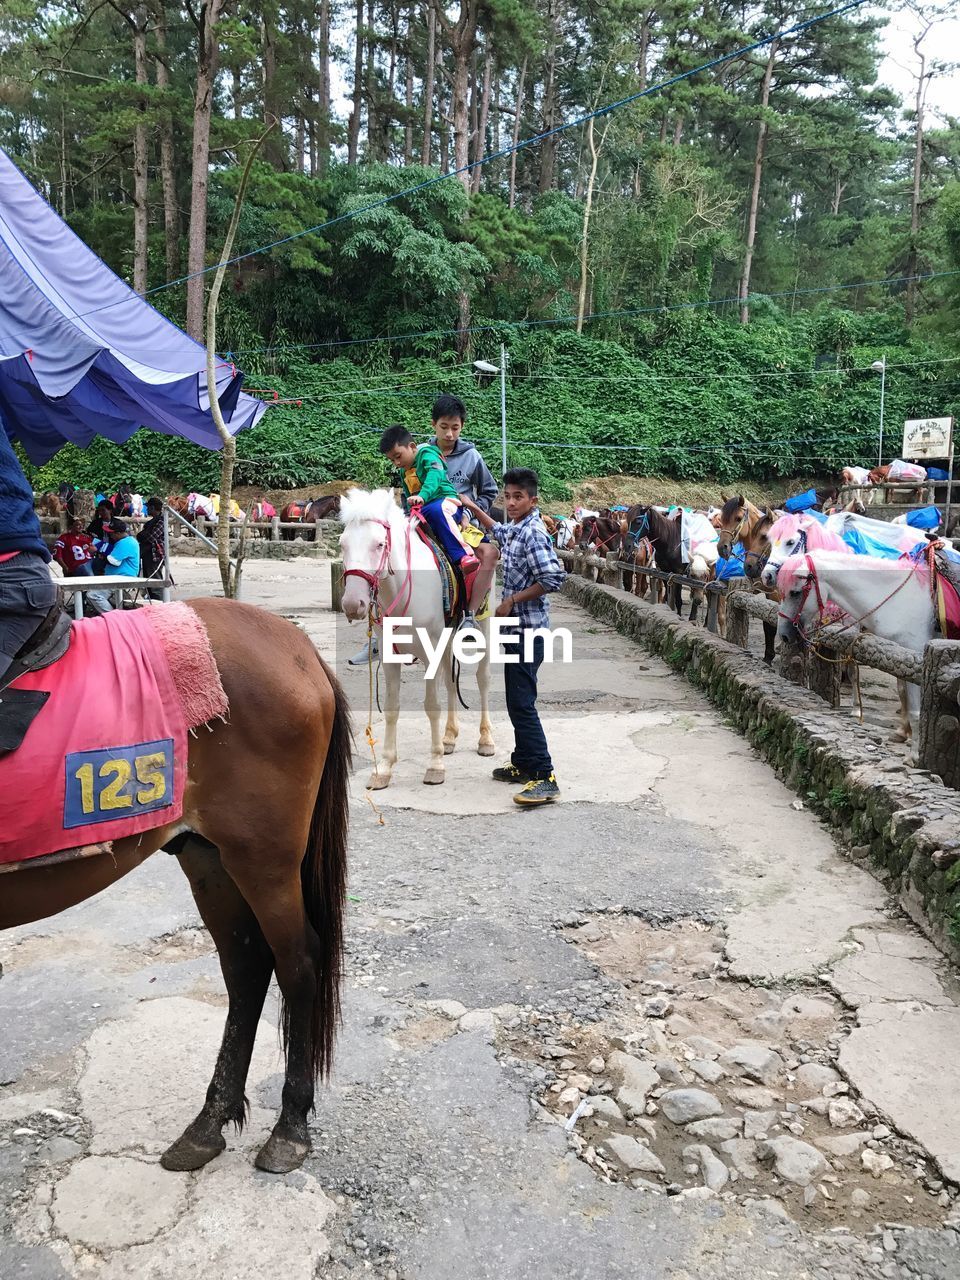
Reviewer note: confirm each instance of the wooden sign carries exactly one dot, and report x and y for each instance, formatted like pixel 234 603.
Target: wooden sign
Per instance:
pixel 927 438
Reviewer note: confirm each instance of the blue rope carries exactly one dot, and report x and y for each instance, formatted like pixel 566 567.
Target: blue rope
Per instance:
pixel 520 146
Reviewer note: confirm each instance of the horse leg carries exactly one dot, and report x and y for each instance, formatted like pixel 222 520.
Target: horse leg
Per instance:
pixel 391 714
pixel 247 965
pixel 436 771
pixel 769 641
pixel 269 879
pixel 908 712
pixel 452 729
pixel 486 745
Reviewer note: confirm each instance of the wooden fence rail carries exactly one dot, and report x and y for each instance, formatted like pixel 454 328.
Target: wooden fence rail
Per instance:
pixel 936 670
pixel 270 529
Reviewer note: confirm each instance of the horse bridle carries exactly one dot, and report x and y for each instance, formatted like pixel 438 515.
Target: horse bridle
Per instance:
pixel 374 579
pixel 812 584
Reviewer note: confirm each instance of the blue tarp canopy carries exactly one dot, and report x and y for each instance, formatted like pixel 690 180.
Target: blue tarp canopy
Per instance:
pixel 81 354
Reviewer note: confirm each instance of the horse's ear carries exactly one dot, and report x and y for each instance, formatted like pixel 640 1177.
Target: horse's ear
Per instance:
pixel 741 500
pixel 723 496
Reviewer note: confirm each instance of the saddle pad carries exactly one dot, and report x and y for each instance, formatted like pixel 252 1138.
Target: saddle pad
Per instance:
pixel 947 593
pixel 106 758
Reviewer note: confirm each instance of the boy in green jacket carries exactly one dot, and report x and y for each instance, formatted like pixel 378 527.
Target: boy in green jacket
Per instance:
pixel 427 486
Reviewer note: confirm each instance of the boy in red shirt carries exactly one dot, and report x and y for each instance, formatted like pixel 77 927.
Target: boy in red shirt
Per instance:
pixel 73 551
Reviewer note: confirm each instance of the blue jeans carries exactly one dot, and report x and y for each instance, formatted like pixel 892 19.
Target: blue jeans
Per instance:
pixel 530 752
pixel 27 594
pixel 438 521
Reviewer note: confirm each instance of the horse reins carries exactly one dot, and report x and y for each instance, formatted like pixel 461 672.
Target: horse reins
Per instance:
pixel 813 583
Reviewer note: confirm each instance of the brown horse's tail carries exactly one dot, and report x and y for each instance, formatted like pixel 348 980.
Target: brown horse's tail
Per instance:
pixel 323 875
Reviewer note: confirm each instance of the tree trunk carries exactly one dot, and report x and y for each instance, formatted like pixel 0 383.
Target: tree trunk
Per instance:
pixel 587 209
pixel 474 106
pixel 408 112
pixel 429 74
pixel 370 88
pixel 480 146
pixel 168 173
pixel 462 37
pixel 744 291
pixel 548 148
pixel 516 133
pixel 323 90
pixel 274 151
pixel 913 257
pixel 140 226
pixel 353 129
pixel 207 57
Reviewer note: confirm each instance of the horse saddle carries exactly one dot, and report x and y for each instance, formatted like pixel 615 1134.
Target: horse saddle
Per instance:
pixel 20 707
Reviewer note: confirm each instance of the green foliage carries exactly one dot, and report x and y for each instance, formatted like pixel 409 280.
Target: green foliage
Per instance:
pixel 692 397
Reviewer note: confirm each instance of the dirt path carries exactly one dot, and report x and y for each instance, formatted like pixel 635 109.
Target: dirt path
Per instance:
pixel 663 1029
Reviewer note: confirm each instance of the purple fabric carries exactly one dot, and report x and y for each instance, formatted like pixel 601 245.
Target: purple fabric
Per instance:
pixel 81 354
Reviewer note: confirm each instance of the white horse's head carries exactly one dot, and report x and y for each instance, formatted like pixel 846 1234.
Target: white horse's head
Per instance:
pixel 368 522
pixel 800 605
pixel 793 535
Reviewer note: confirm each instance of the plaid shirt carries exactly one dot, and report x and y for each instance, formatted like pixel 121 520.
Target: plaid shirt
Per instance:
pixel 528 557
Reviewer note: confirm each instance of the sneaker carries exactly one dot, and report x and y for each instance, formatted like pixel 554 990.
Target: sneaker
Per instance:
pixel 538 791
pixel 510 773
pixel 370 650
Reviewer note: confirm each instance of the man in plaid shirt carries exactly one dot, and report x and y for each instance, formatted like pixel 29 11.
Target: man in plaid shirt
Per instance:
pixel 531 569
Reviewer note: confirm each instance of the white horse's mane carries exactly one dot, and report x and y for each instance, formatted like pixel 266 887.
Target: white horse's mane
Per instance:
pixel 358 504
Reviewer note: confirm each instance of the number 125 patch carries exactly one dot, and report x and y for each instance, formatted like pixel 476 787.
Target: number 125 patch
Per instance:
pixel 117 782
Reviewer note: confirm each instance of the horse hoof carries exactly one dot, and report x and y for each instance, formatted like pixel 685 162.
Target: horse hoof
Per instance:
pixel 281 1155
pixel 486 749
pixel 433 777
pixel 378 781
pixel 448 748
pixel 185 1155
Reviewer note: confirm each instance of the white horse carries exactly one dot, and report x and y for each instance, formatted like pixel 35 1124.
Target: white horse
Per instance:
pixel 887 598
pixel 385 561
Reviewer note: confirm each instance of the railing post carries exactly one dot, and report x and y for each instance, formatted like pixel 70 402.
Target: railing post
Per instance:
pixel 336 585
pixel 275 529
pixel 939 747
pixel 610 573
pixel 823 677
pixel 738 621
pixel 317 530
pixel 713 605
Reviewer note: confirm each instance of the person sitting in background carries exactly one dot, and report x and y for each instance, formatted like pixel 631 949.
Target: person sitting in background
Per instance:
pixel 150 539
pixel 102 517
pixel 73 551
pixel 122 561
pixel 122 501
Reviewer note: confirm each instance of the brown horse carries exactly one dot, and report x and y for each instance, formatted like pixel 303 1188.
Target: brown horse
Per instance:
pixel 266 862
pixel 741 521
pixel 307 513
pixel 601 535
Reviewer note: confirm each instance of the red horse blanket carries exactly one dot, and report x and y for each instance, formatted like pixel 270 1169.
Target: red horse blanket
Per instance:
pixel 107 755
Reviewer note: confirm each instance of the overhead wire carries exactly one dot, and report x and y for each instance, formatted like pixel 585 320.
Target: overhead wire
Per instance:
pixel 524 143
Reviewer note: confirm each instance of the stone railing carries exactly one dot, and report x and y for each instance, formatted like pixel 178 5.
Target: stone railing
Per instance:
pixel 936 670
pixel 902 821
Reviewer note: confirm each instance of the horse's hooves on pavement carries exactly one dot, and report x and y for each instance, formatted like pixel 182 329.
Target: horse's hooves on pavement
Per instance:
pixel 185 1155
pixel 433 777
pixel 378 781
pixel 281 1155
pixel 449 748
pixel 486 749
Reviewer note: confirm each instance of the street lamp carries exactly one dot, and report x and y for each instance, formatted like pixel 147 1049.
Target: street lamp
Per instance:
pixel 484 366
pixel 880 366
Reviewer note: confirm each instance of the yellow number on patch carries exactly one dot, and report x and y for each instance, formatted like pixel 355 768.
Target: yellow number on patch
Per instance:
pixel 84 776
pixel 110 797
pixel 149 772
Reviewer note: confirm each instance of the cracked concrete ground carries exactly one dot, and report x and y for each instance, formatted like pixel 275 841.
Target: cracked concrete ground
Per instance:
pixel 430 1159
